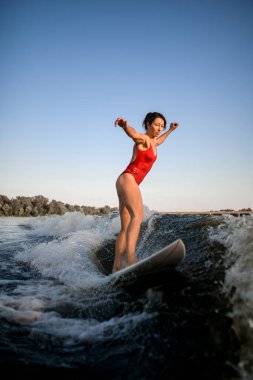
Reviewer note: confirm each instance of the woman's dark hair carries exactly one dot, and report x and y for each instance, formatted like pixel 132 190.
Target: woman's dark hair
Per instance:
pixel 150 117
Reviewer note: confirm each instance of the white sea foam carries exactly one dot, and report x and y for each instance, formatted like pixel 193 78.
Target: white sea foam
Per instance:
pixel 149 232
pixel 68 257
pixel 20 310
pixel 67 270
pixel 61 225
pixel 76 331
pixel 68 260
pixel 237 236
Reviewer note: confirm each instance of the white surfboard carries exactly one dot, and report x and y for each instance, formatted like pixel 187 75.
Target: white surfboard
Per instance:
pixel 170 256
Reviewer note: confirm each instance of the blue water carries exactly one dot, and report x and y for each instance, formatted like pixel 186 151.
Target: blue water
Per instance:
pixel 60 314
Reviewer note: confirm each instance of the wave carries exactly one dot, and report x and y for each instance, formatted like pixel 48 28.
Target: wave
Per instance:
pixel 64 247
pixel 236 234
pixel 52 288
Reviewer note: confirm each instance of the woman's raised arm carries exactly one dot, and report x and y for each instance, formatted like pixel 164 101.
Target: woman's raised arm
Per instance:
pixel 139 138
pixel 164 136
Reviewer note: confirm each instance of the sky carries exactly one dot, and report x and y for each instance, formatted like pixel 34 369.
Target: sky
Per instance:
pixel 69 68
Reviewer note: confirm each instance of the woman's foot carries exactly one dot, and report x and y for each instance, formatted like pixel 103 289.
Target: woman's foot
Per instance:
pixel 130 262
pixel 123 264
pixel 118 266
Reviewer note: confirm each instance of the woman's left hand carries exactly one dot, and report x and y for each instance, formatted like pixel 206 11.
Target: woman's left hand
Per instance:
pixel 173 126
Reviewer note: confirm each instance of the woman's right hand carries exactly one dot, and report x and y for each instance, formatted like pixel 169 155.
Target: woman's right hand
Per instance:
pixel 120 122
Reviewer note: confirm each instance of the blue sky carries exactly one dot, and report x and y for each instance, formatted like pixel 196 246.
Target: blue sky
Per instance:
pixel 68 69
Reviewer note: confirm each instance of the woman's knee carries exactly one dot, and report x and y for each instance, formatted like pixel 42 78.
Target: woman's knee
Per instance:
pixel 137 217
pixel 123 228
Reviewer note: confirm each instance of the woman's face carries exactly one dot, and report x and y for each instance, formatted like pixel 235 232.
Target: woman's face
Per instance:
pixel 156 127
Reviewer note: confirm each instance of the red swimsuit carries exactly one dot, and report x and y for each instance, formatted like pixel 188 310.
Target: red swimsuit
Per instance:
pixel 142 164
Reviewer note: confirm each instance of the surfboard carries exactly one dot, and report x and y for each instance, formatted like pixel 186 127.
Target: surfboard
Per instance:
pixel 168 257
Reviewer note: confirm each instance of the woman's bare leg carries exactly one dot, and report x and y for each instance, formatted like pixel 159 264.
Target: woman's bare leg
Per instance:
pixel 120 246
pixel 131 214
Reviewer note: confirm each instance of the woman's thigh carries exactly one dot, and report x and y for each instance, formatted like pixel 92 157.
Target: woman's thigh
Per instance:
pixel 129 195
pixel 124 216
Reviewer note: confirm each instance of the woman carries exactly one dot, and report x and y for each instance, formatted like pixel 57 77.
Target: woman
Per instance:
pixel 127 185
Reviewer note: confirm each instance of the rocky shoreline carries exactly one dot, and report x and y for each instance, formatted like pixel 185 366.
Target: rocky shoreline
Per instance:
pixel 247 211
pixel 40 206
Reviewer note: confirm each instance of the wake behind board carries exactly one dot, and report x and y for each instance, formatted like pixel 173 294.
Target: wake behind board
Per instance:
pixel 170 256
